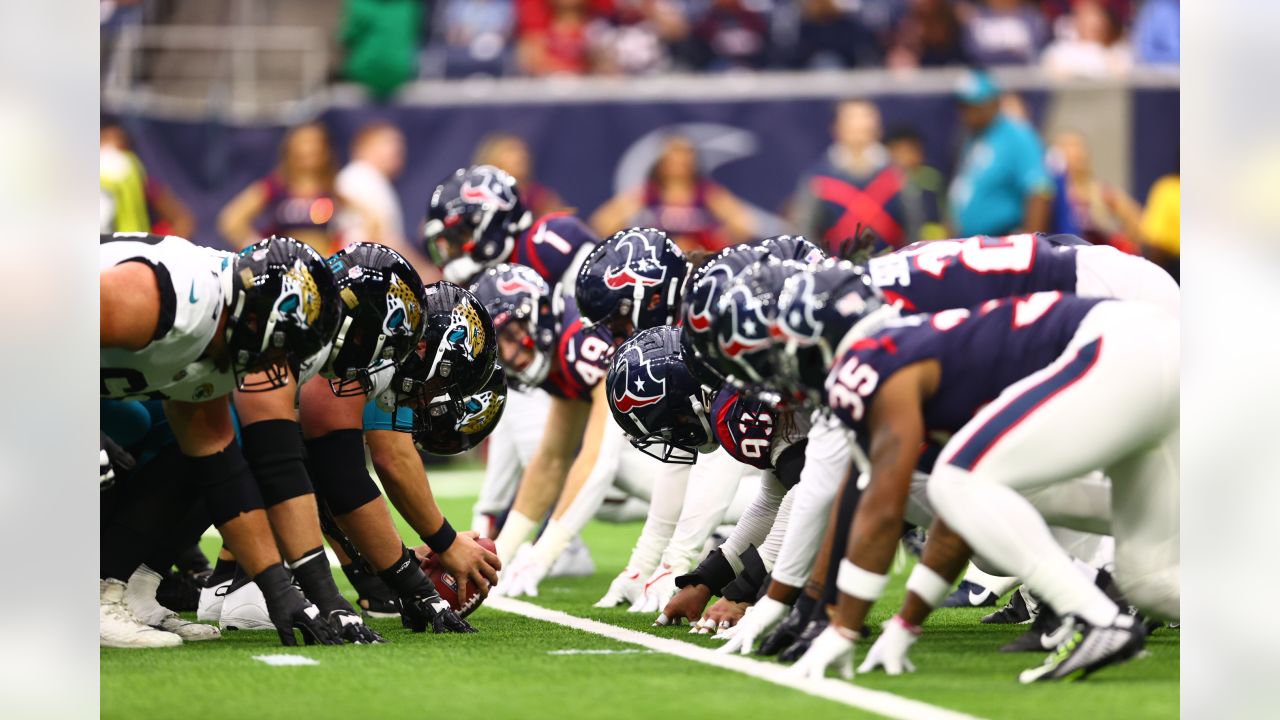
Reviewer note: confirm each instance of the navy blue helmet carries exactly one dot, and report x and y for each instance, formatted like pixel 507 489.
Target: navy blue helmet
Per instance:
pixel 792 247
pixel 450 428
pixel 519 302
pixel 657 401
pixel 476 212
pixel 745 324
pixel 631 282
pixel 698 309
pixel 817 309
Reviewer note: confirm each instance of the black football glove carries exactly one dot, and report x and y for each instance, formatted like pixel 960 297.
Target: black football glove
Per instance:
pixel 786 632
pixel 113 461
pixel 304 617
pixel 352 629
pixel 426 608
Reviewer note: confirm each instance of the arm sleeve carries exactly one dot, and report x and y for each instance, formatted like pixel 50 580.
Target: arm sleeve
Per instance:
pixel 757 519
pixel 828 458
pixel 713 484
pixel 588 500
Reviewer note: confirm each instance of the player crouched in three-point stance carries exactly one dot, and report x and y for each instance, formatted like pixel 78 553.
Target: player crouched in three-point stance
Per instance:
pixel 1042 365
pixel 191 325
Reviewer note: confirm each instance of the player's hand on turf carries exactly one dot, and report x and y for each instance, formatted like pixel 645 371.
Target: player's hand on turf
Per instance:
pixel 427 609
pixel 469 563
pixel 351 628
pixel 304 617
pixel 890 649
pixel 625 589
pixel 763 617
pixel 831 649
pixel 687 604
pixel 523 576
pixel 658 589
pixel 723 615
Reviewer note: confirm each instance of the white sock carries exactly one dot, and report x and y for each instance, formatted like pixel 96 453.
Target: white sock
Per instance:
pixel 140 596
pixel 515 531
pixel 1001 526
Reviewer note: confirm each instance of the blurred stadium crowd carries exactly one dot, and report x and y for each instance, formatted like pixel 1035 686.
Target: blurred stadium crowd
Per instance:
pixel 387 42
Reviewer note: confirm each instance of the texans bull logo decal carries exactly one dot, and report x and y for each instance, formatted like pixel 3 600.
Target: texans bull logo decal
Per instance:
pixel 643 265
pixel 517 283
pixel 634 385
pixel 491 188
pixel 796 320
pixel 749 329
pixel 704 294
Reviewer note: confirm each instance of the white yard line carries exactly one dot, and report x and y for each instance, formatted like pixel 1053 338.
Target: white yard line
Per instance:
pixel 876 701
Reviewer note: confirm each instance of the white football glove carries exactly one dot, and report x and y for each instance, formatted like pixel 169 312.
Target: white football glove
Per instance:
pixel 658 589
pixel 759 621
pixel 523 576
pixel 625 589
pixel 830 649
pixel 890 649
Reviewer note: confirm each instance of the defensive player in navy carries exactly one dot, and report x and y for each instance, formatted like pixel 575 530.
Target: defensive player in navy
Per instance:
pixel 1038 364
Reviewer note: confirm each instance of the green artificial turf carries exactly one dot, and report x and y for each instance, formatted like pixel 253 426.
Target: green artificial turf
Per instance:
pixel 510 670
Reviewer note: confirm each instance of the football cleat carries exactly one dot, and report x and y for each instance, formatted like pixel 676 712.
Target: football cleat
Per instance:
pixel 244 608
pixel 786 632
pixel 1044 634
pixel 211 597
pixel 140 598
pixel 970 595
pixel 376 599
pixel 575 561
pixel 118 628
pixel 1086 648
pixel 1018 611
pixel 797 649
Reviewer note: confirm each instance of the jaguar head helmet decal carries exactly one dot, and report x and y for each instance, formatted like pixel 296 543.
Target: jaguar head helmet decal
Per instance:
pixel 299 295
pixel 479 410
pixel 466 331
pixel 403 311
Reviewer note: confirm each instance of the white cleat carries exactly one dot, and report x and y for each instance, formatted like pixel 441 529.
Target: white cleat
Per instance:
pixel 245 609
pixel 140 598
pixel 575 561
pixel 210 607
pixel 118 628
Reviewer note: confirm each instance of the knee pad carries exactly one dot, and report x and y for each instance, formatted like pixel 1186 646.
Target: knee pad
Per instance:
pixel 227 484
pixel 337 466
pixel 275 453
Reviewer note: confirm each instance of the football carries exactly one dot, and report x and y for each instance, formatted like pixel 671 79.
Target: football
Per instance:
pixel 445 583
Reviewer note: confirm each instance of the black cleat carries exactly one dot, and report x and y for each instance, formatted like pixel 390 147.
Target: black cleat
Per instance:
pixel 1015 612
pixel 970 595
pixel 376 599
pixel 1086 648
pixel 786 632
pixel 797 649
pixel 1044 634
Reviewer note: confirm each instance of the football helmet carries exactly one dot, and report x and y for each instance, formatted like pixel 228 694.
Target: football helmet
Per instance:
pixel 450 428
pixel 283 309
pixel 455 357
pixel 631 282
pixel 698 309
pixel 657 401
pixel 476 212
pixel 792 247
pixel 817 309
pixel 745 322
pixel 519 302
pixel 381 303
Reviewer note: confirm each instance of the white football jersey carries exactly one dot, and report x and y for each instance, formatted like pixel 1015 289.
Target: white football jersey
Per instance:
pixel 194 282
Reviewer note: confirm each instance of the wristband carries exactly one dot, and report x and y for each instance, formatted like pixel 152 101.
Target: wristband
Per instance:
pixel 862 584
pixel 913 629
pixel 440 540
pixel 927 585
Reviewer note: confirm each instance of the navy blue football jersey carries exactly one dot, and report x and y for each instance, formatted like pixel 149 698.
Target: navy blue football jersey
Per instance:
pixel 581 355
pixel 942 274
pixel 744 427
pixel 981 351
pixel 554 246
